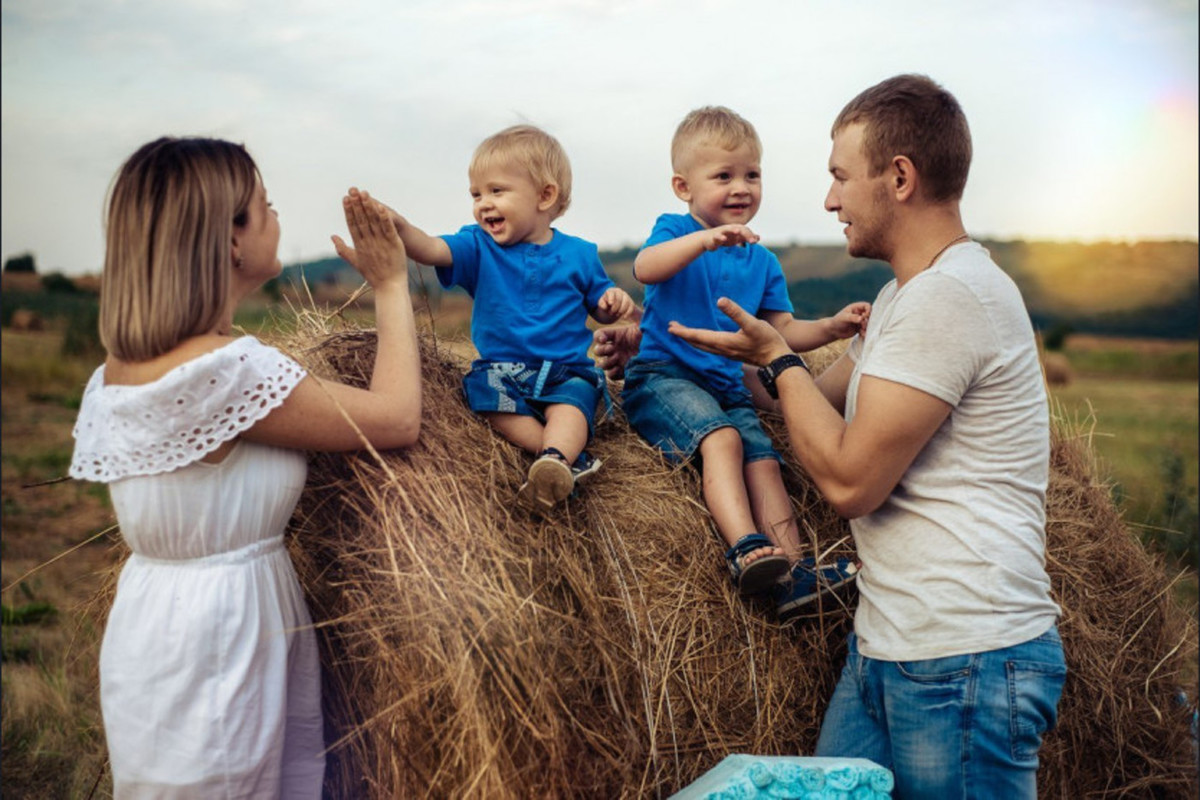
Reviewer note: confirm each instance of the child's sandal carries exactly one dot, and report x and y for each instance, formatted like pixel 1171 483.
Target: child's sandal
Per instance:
pixel 762 573
pixel 550 481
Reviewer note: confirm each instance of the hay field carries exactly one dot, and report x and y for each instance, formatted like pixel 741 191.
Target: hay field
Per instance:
pixel 52 744
pixel 473 651
pixel 1139 400
pixel 53 748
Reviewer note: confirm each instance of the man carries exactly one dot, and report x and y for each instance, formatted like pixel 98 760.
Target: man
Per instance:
pixel 931 434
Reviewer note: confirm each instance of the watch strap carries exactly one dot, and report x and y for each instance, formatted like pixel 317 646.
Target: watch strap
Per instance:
pixel 768 374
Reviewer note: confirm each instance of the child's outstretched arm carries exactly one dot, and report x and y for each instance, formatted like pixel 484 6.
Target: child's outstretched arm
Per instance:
pixel 663 261
pixel 803 335
pixel 422 248
pixel 616 304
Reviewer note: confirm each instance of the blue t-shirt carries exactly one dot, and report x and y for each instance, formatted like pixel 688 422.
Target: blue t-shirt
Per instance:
pixel 531 301
pixel 749 275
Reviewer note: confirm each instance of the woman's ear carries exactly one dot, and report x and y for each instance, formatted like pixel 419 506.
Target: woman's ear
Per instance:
pixel 679 185
pixel 549 197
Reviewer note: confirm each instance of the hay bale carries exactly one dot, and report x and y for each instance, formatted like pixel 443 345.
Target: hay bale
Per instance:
pixel 24 319
pixel 1057 369
pixel 1122 730
pixel 470 650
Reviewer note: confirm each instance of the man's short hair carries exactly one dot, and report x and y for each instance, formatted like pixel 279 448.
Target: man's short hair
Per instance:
pixel 911 115
pixel 535 150
pixel 715 125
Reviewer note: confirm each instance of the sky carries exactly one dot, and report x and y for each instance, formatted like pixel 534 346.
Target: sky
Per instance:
pixel 1083 112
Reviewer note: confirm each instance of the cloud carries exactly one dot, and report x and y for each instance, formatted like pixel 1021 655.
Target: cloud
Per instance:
pixel 1065 100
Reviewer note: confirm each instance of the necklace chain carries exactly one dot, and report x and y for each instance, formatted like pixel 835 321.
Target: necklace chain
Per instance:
pixel 963 238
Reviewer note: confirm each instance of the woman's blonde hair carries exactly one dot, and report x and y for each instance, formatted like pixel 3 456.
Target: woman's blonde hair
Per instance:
pixel 172 209
pixel 534 150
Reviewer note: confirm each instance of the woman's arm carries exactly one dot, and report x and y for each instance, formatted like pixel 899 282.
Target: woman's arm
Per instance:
pixel 324 415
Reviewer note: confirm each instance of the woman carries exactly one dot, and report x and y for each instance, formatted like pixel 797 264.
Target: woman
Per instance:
pixel 209 679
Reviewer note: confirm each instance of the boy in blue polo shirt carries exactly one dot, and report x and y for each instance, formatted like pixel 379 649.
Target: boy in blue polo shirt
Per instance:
pixel 534 288
pixel 691 403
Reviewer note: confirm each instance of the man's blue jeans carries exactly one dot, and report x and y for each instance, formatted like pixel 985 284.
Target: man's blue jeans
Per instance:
pixel 963 726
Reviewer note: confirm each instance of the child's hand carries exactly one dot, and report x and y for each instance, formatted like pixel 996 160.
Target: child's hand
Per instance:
pixel 851 320
pixel 729 236
pixel 614 304
pixel 614 348
pixel 378 252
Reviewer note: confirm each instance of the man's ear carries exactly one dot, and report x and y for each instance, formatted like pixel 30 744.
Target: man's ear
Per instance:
pixel 679 185
pixel 904 178
pixel 549 197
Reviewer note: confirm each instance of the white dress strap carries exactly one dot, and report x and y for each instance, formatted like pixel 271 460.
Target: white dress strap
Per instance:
pixel 181 417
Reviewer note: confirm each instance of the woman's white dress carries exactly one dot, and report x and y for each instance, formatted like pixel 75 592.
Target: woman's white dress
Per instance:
pixel 209 676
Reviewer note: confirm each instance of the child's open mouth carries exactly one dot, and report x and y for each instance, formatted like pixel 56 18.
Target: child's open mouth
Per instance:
pixel 493 224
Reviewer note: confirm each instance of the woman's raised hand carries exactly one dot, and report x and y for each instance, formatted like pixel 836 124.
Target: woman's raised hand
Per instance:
pixel 378 252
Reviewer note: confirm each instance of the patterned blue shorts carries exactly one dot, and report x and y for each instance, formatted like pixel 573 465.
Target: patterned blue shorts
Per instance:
pixel 526 388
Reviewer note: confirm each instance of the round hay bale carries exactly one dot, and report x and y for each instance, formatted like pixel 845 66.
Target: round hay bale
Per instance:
pixel 24 319
pixel 1057 369
pixel 471 650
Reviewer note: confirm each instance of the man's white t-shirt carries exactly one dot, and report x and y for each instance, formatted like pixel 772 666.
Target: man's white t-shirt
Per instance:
pixel 954 560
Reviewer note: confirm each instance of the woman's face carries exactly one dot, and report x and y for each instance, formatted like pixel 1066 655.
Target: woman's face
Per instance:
pixel 257 242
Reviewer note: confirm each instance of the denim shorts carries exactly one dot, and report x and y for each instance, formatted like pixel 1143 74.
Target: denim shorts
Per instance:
pixel 514 387
pixel 961 726
pixel 674 408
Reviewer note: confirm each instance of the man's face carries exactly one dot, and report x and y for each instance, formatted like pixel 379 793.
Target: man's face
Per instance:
pixel 860 201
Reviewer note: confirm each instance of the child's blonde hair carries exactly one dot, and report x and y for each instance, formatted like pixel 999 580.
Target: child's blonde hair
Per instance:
pixel 715 125
pixel 536 151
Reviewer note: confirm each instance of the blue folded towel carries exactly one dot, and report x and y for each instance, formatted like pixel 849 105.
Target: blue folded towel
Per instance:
pixel 747 777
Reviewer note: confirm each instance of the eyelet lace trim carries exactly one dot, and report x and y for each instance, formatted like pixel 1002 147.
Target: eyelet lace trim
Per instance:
pixel 183 416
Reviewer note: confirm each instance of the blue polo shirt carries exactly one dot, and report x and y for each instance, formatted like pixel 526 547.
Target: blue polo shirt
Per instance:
pixel 749 275
pixel 531 301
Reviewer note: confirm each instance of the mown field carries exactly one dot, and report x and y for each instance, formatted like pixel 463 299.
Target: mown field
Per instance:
pixel 1138 398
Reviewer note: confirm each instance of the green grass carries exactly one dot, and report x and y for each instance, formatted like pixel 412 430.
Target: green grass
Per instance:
pixel 35 362
pixel 27 614
pixel 40 465
pixel 1145 436
pixel 1130 361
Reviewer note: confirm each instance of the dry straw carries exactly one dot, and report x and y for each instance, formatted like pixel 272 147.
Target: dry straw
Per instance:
pixel 471 650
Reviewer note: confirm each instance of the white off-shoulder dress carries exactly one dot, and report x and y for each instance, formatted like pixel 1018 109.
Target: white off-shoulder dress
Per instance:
pixel 209 676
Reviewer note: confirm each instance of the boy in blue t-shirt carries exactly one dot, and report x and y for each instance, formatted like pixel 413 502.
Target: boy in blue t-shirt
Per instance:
pixel 534 288
pixel 691 403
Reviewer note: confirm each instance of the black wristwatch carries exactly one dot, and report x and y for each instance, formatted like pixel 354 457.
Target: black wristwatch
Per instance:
pixel 771 371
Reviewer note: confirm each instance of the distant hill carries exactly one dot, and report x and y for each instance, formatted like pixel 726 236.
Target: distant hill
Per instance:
pixel 1129 289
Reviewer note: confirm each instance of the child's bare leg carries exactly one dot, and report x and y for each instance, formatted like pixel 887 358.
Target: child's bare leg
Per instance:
pixel 762 400
pixel 771 507
pixel 524 432
pixel 566 430
pixel 725 489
